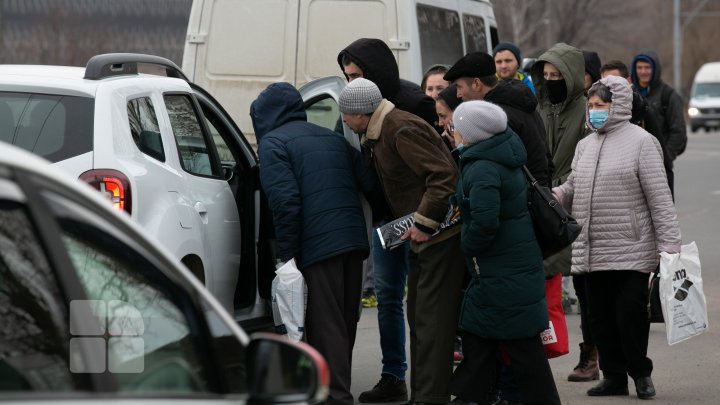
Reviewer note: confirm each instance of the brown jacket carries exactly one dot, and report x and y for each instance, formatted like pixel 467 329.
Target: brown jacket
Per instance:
pixel 415 168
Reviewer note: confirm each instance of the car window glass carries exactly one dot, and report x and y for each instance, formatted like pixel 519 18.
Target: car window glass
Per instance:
pixel 34 350
pixel 144 127
pixel 52 126
pixel 224 152
pixel 194 154
pixel 324 112
pixel 475 37
pixel 150 335
pixel 440 37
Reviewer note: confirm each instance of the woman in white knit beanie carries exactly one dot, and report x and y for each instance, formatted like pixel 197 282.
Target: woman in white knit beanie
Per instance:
pixel 504 305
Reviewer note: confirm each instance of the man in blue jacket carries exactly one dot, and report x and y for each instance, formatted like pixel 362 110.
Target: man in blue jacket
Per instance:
pixel 312 178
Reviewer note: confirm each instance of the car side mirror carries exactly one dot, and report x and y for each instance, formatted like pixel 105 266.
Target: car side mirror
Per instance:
pixel 228 173
pixel 282 371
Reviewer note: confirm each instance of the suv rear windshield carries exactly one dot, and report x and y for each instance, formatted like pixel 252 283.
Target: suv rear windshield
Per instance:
pixel 52 126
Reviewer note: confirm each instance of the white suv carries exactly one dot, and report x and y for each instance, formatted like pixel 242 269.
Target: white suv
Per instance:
pixel 162 150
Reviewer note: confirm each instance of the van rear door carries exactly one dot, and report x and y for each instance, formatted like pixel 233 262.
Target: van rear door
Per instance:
pixel 221 57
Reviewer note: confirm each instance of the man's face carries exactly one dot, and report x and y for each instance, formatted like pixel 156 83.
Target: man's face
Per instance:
pixel 550 72
pixel 644 72
pixel 506 65
pixel 468 88
pixel 352 71
pixel 357 122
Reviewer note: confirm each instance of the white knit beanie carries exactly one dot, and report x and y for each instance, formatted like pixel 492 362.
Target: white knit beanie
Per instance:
pixel 360 96
pixel 479 120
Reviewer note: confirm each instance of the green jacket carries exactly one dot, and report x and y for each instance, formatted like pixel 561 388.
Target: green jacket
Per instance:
pixel 506 296
pixel 564 123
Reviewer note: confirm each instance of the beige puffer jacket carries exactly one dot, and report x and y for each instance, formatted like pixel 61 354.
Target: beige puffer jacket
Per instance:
pixel 619 194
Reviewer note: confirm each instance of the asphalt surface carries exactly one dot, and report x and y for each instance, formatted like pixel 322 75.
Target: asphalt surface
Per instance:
pixel 685 373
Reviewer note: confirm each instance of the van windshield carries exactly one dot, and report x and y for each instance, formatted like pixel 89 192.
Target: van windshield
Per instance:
pixel 55 127
pixel 707 90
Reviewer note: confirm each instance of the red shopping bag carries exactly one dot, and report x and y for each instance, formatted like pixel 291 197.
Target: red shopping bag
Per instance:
pixel 555 338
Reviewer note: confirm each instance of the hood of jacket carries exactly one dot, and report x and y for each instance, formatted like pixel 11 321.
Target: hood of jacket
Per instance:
pixel 620 106
pixel 571 64
pixel 504 148
pixel 377 63
pixel 513 93
pixel 647 55
pixel 278 104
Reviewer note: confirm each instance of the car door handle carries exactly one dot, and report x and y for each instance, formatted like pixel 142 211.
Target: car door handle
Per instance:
pixel 200 208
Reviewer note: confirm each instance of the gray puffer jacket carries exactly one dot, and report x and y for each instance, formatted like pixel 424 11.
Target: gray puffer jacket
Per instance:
pixel 619 194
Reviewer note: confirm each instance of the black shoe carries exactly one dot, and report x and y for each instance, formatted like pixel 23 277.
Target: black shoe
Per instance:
pixel 388 389
pixel 644 387
pixel 609 387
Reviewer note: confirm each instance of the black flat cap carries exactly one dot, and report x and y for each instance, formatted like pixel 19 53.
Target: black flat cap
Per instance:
pixel 474 64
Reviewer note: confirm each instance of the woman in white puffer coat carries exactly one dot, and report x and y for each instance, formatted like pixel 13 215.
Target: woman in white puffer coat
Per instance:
pixel 618 191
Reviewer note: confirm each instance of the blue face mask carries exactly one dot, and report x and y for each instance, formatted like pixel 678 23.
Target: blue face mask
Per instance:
pixel 460 147
pixel 598 118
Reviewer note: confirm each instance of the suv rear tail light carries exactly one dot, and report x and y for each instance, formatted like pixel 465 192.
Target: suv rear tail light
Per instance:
pixel 113 185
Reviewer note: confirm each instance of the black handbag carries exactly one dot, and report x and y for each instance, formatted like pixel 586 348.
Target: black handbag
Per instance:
pixel 555 229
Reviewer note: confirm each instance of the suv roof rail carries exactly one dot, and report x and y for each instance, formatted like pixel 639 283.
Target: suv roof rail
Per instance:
pixel 116 64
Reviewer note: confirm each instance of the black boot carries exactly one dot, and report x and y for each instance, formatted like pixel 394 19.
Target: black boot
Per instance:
pixel 388 389
pixel 644 387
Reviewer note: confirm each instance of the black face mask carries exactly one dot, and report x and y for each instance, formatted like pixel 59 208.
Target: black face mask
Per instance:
pixel 557 90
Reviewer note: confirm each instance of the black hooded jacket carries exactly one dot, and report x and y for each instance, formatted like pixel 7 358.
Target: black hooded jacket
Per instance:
pixel 667 102
pixel 519 103
pixel 378 65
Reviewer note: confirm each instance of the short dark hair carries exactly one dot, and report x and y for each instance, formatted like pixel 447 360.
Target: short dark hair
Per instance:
pixel 616 65
pixel 347 59
pixel 601 91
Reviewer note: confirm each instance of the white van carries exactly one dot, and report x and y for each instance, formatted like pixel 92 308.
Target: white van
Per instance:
pixel 235 49
pixel 704 106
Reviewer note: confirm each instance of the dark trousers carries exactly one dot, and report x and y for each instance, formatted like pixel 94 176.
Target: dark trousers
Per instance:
pixel 433 303
pixel 580 284
pixel 619 322
pixel 333 311
pixel 474 377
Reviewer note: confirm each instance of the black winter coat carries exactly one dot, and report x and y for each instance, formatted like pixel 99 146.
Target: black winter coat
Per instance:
pixel 519 103
pixel 312 177
pixel 378 65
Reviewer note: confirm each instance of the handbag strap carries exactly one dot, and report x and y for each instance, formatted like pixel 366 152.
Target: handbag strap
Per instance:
pixel 529 175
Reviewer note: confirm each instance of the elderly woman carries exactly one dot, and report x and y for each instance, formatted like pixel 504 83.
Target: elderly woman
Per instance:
pixel 504 305
pixel 619 193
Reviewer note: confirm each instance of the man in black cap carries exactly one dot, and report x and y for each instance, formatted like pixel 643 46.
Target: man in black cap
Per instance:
pixel 508 62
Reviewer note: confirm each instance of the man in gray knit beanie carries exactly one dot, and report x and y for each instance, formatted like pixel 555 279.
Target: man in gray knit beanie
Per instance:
pixel 478 120
pixel 418 175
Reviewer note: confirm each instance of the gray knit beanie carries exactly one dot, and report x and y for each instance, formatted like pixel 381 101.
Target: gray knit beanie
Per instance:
pixel 360 96
pixel 479 120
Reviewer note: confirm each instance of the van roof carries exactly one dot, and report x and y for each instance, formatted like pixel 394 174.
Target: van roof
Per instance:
pixel 709 72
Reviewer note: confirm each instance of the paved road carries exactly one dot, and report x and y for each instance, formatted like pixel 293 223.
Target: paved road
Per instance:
pixel 687 373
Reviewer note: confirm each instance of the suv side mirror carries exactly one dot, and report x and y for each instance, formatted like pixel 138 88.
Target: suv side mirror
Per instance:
pixel 281 371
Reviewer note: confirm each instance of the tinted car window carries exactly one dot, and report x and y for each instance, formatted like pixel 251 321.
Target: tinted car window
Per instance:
pixel 149 332
pixel 54 127
pixel 194 154
pixel 33 345
pixel 440 37
pixel 144 127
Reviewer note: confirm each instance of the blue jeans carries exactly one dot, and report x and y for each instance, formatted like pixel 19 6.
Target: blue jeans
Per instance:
pixel 391 270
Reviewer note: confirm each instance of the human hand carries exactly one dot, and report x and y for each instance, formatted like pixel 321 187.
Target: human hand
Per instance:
pixel 416 235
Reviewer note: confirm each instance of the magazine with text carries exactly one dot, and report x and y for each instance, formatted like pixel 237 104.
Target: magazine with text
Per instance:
pixel 391 232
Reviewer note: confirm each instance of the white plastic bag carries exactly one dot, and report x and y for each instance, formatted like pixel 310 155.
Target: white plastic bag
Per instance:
pixel 681 294
pixel 289 298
